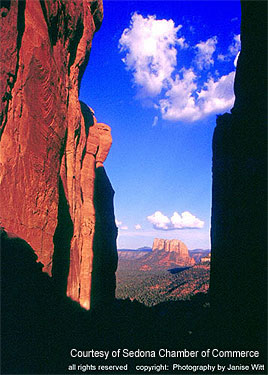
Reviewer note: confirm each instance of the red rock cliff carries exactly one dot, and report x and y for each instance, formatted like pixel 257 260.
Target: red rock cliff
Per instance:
pixel 171 245
pixel 174 248
pixel 49 143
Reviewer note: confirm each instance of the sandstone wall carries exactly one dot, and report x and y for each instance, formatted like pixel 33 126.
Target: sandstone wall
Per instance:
pixel 49 142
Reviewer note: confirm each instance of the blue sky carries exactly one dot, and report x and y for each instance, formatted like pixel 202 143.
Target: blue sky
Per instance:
pixel 159 73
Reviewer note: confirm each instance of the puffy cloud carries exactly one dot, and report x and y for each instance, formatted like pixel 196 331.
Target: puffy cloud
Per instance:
pixel 124 227
pixel 217 96
pixel 179 93
pixel 150 51
pixel 180 104
pixel 184 221
pixel 204 54
pixel 138 226
pixel 159 220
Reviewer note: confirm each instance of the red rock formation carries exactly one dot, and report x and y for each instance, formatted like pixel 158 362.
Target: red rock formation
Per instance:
pixel 45 47
pixel 171 245
pixel 175 248
pixel 78 177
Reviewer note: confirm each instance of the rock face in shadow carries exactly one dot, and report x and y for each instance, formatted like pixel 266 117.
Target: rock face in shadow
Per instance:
pixel 238 234
pixel 39 327
pixel 105 256
pixel 50 143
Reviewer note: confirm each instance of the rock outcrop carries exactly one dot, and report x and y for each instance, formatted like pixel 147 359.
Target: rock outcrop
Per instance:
pixel 171 245
pixel 239 221
pixel 173 251
pixel 50 143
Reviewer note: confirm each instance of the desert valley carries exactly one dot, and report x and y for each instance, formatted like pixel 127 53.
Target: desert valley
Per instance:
pixel 166 272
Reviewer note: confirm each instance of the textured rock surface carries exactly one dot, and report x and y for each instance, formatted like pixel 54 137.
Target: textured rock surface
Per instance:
pixel 171 245
pixel 49 142
pixel 238 268
pixel 104 144
pixel 177 251
pixel 81 198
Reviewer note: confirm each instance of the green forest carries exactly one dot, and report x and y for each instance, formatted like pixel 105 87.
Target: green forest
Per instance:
pixel 157 285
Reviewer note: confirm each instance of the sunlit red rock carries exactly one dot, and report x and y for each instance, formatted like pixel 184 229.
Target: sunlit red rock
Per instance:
pixel 48 145
pixel 104 144
pixel 171 252
pixel 170 246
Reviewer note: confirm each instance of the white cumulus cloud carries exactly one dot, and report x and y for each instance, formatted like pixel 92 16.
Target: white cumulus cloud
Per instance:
pixel 181 103
pixel 159 220
pixel 138 226
pixel 150 51
pixel 184 221
pixel 217 96
pixel 178 92
pixel 205 50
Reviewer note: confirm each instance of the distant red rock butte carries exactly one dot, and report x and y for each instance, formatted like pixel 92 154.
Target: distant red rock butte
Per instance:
pixel 173 246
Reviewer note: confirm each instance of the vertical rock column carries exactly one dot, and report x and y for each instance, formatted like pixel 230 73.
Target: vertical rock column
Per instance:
pixel 91 210
pixel 78 175
pixel 238 233
pixel 104 246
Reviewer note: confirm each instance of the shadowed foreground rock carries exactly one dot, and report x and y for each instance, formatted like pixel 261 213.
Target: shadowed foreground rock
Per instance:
pixel 40 326
pixel 239 226
pixel 50 144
